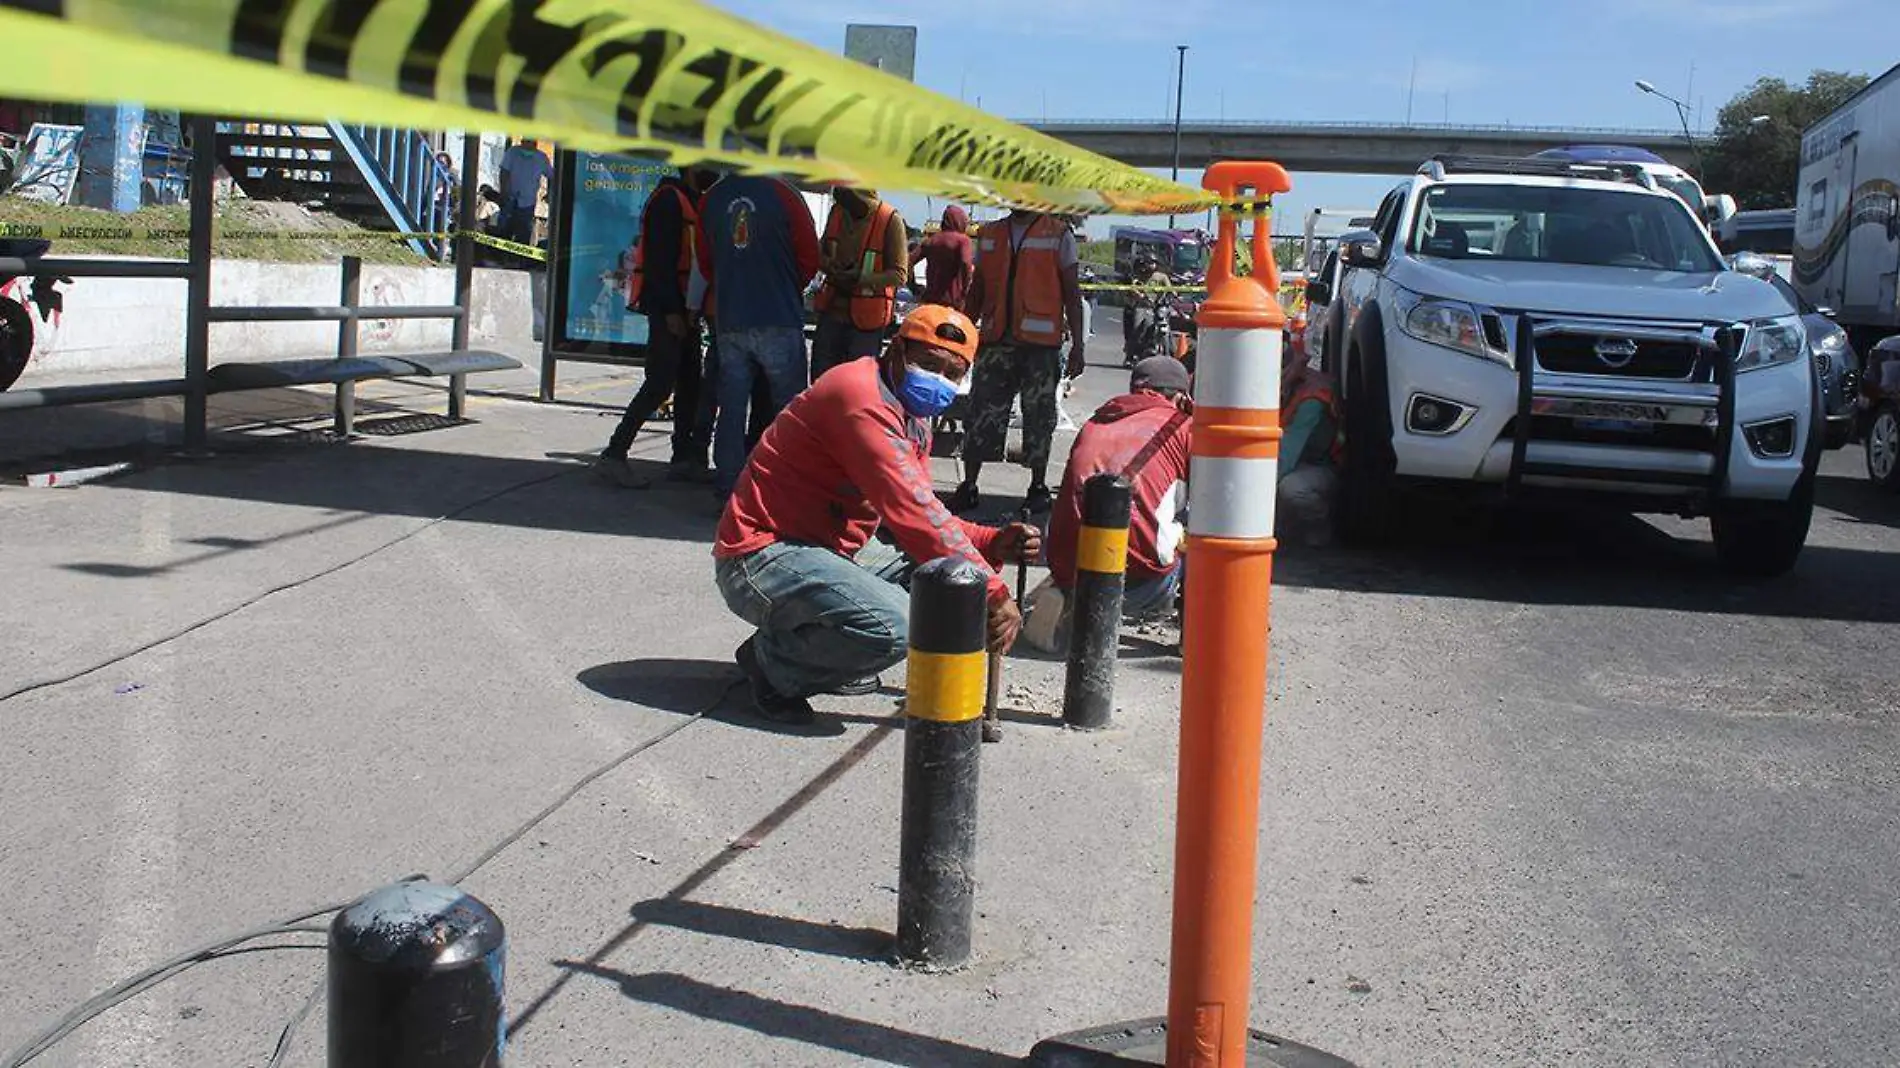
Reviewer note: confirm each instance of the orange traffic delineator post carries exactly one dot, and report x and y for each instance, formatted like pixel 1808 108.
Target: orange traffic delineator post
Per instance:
pixel 1233 480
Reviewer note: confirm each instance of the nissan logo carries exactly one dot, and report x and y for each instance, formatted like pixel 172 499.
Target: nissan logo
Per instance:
pixel 1616 352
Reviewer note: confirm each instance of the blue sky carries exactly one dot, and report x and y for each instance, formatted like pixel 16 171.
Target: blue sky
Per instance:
pixel 1525 62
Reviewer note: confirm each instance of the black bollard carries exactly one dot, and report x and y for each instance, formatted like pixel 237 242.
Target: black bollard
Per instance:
pixel 416 981
pixel 948 672
pixel 1101 562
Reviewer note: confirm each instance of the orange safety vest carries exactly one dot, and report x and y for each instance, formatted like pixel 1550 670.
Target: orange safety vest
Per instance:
pixel 871 308
pixel 1022 282
pixel 689 226
pixel 1314 387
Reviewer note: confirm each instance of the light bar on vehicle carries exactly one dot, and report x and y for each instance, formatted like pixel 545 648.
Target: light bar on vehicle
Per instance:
pixel 1438 167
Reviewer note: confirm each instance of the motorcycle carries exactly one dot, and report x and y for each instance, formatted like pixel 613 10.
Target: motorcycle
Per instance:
pixel 19 298
pixel 1155 324
pixel 1176 332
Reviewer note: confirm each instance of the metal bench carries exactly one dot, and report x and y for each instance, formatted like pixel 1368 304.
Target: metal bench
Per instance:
pixel 347 368
pixel 345 372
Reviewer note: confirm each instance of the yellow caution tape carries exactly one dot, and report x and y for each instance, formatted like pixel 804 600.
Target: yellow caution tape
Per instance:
pixel 1117 287
pixel 672 77
pixel 528 251
pixel 130 233
pixel 1129 287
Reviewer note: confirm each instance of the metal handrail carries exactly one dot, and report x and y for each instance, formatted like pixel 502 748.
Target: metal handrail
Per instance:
pixel 401 171
pixel 324 313
pixel 44 266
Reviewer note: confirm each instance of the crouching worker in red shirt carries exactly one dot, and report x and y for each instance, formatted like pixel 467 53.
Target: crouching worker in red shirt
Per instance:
pixel 794 555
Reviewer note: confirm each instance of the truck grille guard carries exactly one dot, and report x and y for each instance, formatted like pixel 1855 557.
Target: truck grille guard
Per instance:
pixel 1721 344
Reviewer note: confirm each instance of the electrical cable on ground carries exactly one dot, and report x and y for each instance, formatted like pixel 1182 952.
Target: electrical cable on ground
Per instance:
pixel 131 987
pixel 288 1035
pixel 135 985
pixel 138 984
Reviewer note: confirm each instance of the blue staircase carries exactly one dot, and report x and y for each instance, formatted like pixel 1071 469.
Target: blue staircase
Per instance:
pixel 379 177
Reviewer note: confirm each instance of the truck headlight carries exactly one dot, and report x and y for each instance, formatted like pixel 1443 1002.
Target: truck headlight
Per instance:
pixel 1449 323
pixel 1832 342
pixel 1772 342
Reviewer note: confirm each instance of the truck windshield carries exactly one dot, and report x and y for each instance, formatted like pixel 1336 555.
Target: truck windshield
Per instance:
pixel 1559 224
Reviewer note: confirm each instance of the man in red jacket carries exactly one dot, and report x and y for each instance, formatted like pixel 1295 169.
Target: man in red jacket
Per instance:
pixel 1144 436
pixel 794 555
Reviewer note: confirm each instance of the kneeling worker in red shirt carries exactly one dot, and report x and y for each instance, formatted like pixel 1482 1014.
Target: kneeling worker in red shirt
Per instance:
pixel 794 555
pixel 1145 437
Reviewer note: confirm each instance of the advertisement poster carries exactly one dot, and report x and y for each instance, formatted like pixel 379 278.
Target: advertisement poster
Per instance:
pixel 609 192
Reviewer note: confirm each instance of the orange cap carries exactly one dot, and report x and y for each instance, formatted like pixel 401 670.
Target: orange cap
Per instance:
pixel 942 326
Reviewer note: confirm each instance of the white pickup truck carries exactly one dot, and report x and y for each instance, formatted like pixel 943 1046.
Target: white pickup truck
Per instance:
pixel 1535 326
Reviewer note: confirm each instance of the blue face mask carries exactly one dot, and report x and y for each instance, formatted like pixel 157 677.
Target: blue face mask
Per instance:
pixel 926 393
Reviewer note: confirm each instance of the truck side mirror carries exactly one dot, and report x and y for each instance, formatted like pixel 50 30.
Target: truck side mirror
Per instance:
pixel 1754 264
pixel 1318 292
pixel 1361 248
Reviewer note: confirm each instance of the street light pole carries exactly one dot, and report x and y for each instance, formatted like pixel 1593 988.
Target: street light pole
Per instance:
pixel 1180 80
pixel 1682 114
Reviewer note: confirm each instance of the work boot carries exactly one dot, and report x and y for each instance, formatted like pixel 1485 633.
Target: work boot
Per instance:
pixel 863 687
pixel 618 471
pixel 690 471
pixel 1038 500
pixel 966 498
pixel 766 701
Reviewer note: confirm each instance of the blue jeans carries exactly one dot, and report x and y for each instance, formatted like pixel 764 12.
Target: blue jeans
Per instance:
pixel 1155 596
pixel 823 620
pixel 840 341
pixel 778 355
pixel 1142 601
pixel 708 416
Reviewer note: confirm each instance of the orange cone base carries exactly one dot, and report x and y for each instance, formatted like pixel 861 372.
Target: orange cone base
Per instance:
pixel 1146 1042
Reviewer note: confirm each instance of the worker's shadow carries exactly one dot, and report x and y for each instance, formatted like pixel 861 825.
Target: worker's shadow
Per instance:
pixel 714 689
pixel 653 471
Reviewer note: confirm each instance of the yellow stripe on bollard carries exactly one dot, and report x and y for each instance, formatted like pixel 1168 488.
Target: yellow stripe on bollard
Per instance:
pixel 1103 550
pixel 946 687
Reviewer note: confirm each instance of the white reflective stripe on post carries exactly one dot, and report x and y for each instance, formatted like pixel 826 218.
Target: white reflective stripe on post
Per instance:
pixel 1232 498
pixel 1238 369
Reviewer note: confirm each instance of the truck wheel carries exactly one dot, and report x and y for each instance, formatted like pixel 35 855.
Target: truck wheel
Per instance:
pixel 16 341
pixel 1364 512
pixel 1762 539
pixel 1883 447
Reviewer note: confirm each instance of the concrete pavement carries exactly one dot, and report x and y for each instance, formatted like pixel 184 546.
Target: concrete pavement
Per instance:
pixel 1536 792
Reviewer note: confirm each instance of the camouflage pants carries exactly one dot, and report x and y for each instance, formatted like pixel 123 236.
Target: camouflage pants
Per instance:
pixel 1004 372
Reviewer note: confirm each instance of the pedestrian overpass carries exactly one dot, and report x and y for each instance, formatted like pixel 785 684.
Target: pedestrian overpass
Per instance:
pixel 1339 147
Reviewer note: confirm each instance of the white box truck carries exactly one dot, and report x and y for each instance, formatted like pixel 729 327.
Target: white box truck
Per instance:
pixel 1847 212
